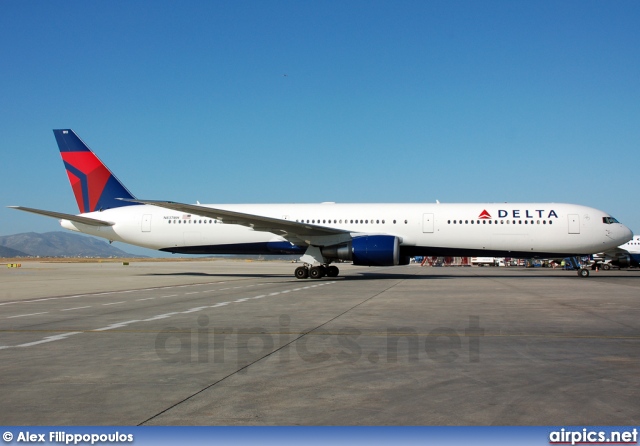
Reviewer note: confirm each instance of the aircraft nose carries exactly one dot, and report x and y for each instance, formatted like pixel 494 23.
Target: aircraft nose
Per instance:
pixel 625 234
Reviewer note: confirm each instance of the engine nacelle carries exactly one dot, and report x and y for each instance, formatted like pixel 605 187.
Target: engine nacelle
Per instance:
pixel 622 261
pixel 367 250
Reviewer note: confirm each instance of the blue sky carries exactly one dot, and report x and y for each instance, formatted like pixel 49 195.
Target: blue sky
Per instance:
pixel 460 101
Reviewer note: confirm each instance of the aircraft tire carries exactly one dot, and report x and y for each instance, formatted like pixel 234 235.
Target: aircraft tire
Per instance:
pixel 302 272
pixel 316 272
pixel 332 271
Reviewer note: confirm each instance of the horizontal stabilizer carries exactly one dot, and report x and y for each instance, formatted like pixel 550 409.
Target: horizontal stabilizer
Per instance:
pixel 77 218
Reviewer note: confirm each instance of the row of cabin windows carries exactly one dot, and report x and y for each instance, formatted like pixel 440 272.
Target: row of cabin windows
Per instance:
pixel 299 221
pixel 194 221
pixel 353 222
pixel 502 222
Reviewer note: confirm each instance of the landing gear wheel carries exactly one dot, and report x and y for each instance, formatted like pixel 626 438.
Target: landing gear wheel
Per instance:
pixel 582 272
pixel 316 272
pixel 302 272
pixel 332 271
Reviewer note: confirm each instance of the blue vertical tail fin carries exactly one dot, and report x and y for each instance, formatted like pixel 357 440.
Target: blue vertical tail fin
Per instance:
pixel 94 185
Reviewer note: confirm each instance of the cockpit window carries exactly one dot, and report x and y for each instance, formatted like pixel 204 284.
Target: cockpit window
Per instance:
pixel 609 220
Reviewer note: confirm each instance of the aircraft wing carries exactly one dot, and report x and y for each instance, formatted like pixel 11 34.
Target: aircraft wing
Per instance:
pixel 256 222
pixel 77 218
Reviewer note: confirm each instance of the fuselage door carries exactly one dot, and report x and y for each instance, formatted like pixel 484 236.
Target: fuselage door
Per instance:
pixel 574 224
pixel 146 223
pixel 427 223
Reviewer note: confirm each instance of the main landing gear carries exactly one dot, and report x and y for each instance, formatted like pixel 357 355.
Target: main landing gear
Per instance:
pixel 316 272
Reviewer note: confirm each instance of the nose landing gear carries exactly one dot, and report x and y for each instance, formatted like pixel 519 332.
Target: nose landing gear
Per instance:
pixel 582 271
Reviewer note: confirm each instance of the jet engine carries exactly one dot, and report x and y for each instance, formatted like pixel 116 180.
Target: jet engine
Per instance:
pixel 368 250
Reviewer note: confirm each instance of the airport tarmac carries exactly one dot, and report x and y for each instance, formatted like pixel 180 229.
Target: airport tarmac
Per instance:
pixel 244 343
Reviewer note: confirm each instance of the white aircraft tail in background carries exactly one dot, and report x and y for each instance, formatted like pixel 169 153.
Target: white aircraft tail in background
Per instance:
pixel 624 256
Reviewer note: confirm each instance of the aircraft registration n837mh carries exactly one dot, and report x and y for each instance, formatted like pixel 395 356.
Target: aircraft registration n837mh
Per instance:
pixel 365 234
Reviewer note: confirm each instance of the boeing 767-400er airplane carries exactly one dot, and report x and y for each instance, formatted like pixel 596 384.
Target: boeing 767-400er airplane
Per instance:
pixel 365 234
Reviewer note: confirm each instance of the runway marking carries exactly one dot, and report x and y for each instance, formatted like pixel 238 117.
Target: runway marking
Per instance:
pixel 192 292
pixel 160 316
pixel 193 310
pixel 25 315
pixel 104 293
pixel 49 339
pixel 115 303
pixel 170 295
pixel 116 325
pixel 146 298
pixel 76 308
pixel 153 318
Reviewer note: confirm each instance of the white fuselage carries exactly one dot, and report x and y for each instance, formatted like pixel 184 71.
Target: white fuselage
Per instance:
pixel 632 246
pixel 505 229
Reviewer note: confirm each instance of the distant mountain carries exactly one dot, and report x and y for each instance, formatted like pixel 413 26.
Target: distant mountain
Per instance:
pixel 9 252
pixel 57 244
